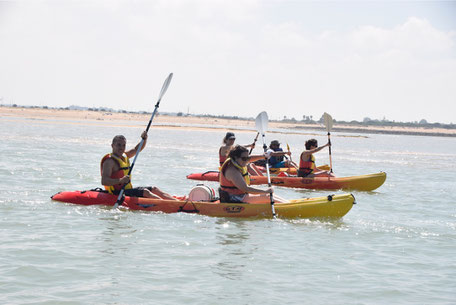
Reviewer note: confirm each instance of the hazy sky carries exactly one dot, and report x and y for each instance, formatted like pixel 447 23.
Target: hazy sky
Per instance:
pixel 352 59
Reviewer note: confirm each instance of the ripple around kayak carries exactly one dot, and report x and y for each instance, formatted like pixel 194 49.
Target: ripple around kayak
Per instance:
pixel 332 206
pixel 359 183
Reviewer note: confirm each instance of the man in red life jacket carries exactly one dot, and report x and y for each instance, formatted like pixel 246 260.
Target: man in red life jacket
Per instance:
pixel 115 167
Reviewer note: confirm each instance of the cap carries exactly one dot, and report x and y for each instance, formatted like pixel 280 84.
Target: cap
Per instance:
pixel 230 135
pixel 275 142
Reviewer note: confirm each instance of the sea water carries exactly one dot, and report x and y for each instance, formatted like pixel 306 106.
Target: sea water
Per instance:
pixel 396 246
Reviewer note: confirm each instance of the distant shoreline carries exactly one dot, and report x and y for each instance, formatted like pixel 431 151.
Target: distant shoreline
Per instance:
pixel 196 122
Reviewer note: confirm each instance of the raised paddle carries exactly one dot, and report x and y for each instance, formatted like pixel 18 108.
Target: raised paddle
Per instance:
pixel 120 198
pixel 329 124
pixel 261 123
pixel 291 161
pixel 254 141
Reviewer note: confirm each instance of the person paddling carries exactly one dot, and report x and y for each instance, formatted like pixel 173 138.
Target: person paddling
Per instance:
pixel 276 156
pixel 228 146
pixel 307 167
pixel 235 180
pixel 114 169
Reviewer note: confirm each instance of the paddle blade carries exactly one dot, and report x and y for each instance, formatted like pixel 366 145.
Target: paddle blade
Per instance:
pixel 165 85
pixel 328 121
pixel 261 122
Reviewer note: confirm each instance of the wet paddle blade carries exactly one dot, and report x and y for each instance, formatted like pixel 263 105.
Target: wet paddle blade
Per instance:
pixel 165 86
pixel 328 121
pixel 261 122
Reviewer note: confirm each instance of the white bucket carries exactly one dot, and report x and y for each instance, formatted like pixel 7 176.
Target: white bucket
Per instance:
pixel 202 192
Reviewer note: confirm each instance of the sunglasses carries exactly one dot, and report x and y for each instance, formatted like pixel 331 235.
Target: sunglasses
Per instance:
pixel 245 158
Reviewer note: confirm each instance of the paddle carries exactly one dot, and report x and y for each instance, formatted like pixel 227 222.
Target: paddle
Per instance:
pixel 329 123
pixel 261 123
pixel 254 141
pixel 120 198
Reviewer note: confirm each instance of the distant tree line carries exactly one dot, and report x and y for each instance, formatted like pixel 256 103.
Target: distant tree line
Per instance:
pixel 306 119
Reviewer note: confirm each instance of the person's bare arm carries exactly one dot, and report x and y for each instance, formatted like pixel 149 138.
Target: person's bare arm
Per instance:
pixel 236 178
pixel 132 152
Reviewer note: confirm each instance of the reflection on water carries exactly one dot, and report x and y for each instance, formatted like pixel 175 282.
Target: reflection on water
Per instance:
pixel 116 237
pixel 234 251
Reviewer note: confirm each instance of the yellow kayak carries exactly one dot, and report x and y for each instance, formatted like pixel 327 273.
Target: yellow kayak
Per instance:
pixel 293 171
pixel 368 182
pixel 332 206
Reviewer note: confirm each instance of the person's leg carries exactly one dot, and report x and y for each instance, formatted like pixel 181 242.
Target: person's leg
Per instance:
pixel 323 174
pixel 254 170
pixel 159 193
pixel 148 194
pixel 262 198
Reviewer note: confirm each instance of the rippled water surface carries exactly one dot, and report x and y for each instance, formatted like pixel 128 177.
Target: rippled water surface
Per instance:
pixel 396 246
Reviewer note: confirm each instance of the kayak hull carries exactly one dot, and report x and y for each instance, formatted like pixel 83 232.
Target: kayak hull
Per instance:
pixel 291 170
pixel 359 183
pixel 333 206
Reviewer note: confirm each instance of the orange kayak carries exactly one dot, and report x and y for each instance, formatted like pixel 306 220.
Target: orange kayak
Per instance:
pixel 291 170
pixel 333 206
pixel 360 183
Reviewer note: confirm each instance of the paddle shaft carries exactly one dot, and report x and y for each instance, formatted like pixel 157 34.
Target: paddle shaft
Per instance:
pixel 265 148
pixel 261 123
pixel 330 158
pixel 254 141
pixel 120 198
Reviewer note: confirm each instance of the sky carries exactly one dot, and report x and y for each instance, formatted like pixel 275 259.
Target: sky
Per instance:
pixel 393 60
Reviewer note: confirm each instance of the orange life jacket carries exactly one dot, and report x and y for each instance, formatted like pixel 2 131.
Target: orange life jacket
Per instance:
pixel 228 186
pixel 307 167
pixel 124 167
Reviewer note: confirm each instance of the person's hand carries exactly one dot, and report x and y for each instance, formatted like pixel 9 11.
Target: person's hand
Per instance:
pixel 253 145
pixel 144 135
pixel 125 179
pixel 288 153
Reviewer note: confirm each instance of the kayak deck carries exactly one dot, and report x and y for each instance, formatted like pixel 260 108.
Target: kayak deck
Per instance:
pixel 332 206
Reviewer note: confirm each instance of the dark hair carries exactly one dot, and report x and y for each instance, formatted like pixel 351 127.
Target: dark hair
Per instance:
pixel 118 138
pixel 237 151
pixel 229 135
pixel 274 142
pixel 310 143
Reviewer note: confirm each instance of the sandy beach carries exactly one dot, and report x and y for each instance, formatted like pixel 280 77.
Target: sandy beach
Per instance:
pixel 168 121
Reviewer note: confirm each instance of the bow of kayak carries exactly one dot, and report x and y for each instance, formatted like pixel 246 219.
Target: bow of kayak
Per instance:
pixel 333 206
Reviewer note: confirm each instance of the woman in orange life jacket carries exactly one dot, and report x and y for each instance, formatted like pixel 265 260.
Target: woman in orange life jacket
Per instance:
pixel 228 145
pixel 114 170
pixel 234 179
pixel 307 167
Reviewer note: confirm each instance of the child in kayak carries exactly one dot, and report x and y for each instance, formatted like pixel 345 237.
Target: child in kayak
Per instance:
pixel 276 156
pixel 307 167
pixel 114 171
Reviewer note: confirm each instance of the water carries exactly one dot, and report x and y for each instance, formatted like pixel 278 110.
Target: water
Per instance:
pixel 396 246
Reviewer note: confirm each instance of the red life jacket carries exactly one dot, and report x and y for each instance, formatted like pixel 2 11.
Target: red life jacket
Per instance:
pixel 306 167
pixel 124 167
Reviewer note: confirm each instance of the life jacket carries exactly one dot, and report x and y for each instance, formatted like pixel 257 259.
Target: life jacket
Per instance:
pixel 306 167
pixel 124 167
pixel 226 185
pixel 274 160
